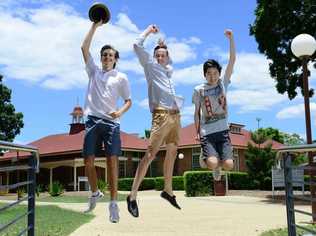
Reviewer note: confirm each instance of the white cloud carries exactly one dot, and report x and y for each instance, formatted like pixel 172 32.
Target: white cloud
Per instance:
pixel 181 52
pixel 193 40
pixel 143 103
pixel 187 115
pixel 295 111
pixel 254 100
pixel 189 75
pixel 130 65
pixel 126 23
pixel 42 45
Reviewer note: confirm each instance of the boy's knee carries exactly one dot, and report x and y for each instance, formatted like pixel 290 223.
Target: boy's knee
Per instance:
pixel 212 162
pixel 228 164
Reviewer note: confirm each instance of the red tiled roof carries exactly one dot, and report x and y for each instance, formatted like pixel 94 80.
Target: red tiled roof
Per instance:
pixel 65 143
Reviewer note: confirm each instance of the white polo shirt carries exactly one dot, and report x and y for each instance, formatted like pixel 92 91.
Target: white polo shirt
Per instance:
pixel 104 90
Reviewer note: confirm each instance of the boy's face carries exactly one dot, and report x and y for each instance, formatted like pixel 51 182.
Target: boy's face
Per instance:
pixel 108 58
pixel 161 56
pixel 212 75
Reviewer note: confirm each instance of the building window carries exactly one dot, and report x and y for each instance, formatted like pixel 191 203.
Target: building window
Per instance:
pixel 236 159
pixel 122 169
pixel 195 158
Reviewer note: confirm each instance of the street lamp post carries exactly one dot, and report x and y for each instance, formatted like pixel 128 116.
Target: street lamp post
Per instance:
pixel 303 46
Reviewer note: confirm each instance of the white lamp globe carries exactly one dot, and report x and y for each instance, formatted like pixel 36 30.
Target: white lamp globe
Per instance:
pixel 181 156
pixel 303 45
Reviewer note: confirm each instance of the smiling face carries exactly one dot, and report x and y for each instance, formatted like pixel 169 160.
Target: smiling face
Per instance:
pixel 162 57
pixel 212 75
pixel 108 59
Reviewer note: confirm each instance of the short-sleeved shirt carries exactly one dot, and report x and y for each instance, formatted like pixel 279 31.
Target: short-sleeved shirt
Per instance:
pixel 213 106
pixel 104 90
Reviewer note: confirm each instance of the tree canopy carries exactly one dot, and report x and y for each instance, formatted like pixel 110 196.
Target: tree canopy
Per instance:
pixel 277 23
pixel 11 122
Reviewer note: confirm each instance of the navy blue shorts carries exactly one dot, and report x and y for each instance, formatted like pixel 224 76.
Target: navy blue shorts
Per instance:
pixel 101 132
pixel 218 145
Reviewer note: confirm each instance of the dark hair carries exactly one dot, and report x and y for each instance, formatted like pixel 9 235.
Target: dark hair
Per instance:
pixel 105 47
pixel 210 63
pixel 159 47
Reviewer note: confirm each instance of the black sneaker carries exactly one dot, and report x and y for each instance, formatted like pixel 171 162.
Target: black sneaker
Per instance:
pixel 171 199
pixel 132 206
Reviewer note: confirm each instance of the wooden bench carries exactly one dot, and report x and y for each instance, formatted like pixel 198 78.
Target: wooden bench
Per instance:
pixel 278 178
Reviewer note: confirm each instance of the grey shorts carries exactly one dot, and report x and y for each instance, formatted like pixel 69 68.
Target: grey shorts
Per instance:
pixel 101 132
pixel 218 145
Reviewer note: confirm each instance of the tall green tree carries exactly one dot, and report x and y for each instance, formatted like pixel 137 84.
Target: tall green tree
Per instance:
pixel 11 122
pixel 292 139
pixel 270 133
pixel 259 162
pixel 277 23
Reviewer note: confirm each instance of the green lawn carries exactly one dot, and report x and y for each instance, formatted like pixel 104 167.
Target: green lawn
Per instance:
pixel 76 199
pixel 49 221
pixel 283 232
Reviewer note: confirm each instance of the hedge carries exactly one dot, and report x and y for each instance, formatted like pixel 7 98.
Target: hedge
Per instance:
pixel 177 183
pixel 198 183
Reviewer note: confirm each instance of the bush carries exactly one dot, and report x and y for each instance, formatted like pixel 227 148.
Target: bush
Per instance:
pixel 21 192
pixel 148 183
pixel 239 181
pixel 259 162
pixel 177 183
pixel 39 189
pixel 102 185
pixel 56 189
pixel 125 184
pixel 198 183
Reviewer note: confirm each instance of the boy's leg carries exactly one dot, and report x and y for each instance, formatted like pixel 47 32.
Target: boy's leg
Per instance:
pixel 157 134
pixel 226 151
pixel 171 155
pixel 228 164
pixel 91 172
pixel 142 170
pixel 172 139
pixel 92 177
pixel 112 164
pixel 212 162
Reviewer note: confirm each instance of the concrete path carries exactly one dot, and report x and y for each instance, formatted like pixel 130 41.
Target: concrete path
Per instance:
pixel 216 216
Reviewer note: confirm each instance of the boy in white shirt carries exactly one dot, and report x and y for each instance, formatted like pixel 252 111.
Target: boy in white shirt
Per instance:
pixel 105 87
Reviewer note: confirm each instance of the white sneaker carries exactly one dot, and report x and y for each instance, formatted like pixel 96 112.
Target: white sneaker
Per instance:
pixel 114 213
pixel 92 202
pixel 217 173
pixel 202 161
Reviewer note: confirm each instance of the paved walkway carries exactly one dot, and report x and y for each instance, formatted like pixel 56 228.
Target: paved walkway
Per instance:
pixel 216 216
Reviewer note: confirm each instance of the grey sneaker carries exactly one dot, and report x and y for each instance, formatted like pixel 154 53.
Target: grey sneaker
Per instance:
pixel 92 202
pixel 114 213
pixel 202 161
pixel 217 173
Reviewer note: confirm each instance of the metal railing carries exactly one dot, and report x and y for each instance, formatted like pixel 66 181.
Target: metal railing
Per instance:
pixel 286 154
pixel 31 167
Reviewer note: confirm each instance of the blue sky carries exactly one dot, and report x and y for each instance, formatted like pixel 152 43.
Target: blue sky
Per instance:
pixel 41 60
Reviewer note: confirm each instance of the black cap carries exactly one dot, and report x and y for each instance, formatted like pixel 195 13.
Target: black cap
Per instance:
pixel 98 11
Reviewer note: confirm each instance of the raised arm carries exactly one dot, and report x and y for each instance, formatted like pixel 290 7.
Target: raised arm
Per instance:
pixel 85 47
pixel 143 56
pixel 232 54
